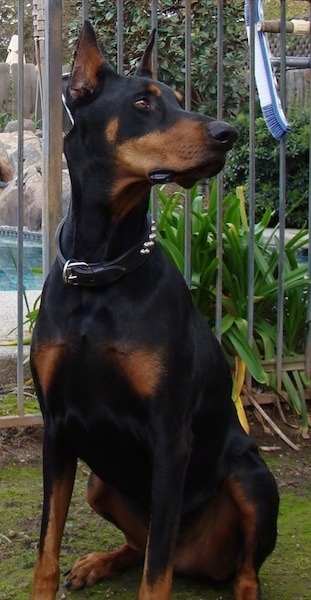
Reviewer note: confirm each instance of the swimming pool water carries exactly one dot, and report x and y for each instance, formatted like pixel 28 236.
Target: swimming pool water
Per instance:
pixel 8 260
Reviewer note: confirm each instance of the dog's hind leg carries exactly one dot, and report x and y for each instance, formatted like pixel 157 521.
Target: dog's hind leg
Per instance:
pixel 231 536
pixel 93 567
pixel 59 475
pixel 246 583
pixel 256 498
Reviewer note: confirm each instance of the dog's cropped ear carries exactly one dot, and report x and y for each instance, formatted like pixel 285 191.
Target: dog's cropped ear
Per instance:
pixel 87 65
pixel 144 68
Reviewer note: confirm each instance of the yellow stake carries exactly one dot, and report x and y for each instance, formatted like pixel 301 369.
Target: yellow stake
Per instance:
pixel 239 378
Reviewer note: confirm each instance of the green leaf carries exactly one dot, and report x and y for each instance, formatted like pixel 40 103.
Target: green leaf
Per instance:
pixel 247 355
pixel 292 392
pixel 173 253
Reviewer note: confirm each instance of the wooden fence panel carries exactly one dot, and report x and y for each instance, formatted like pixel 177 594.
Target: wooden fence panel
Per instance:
pixel 30 86
pixel 4 87
pixel 298 89
pixel 8 90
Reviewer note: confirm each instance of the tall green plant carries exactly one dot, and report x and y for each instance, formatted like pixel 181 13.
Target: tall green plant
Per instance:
pixel 204 266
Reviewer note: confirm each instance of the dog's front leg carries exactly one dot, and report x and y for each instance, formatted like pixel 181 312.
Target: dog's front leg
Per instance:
pixel 169 470
pixel 59 468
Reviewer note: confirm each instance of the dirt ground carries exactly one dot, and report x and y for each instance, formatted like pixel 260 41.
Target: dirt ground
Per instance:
pixel 24 445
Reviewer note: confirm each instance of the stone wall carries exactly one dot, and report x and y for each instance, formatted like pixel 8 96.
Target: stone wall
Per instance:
pixel 32 177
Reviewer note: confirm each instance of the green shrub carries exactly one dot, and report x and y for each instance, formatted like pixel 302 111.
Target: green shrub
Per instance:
pixel 267 168
pixel 204 271
pixel 4 119
pixel 171 46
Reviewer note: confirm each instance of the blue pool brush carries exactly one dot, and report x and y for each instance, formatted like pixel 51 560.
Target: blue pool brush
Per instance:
pixel 265 80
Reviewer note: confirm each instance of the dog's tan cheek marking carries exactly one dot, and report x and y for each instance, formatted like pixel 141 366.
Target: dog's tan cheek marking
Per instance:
pixel 112 130
pixel 179 147
pixel 46 357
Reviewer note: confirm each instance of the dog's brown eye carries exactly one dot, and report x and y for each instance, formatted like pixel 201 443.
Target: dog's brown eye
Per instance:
pixel 142 103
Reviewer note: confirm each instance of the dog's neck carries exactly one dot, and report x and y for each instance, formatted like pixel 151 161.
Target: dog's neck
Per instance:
pixel 103 222
pixel 90 234
pixel 100 273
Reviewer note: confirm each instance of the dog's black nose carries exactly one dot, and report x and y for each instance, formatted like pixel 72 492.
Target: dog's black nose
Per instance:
pixel 223 133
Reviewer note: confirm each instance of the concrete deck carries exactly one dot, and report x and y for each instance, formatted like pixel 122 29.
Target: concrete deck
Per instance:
pixel 8 333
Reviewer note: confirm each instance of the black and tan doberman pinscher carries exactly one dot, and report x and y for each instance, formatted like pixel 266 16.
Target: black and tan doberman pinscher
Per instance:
pixel 129 376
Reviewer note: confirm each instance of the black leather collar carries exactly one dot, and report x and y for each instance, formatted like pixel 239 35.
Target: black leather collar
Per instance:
pixel 101 273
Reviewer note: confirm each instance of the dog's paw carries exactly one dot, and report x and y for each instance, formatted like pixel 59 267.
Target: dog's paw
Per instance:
pixel 87 571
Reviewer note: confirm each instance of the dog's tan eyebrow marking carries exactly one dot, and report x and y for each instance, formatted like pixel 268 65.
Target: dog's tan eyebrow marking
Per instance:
pixel 153 89
pixel 179 96
pixel 111 130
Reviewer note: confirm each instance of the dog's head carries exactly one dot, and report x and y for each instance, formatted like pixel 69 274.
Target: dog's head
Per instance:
pixel 151 139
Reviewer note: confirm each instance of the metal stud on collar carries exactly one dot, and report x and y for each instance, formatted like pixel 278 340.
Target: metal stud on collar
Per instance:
pixel 148 244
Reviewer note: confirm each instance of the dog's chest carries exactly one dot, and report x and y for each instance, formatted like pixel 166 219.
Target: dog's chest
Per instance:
pixel 102 365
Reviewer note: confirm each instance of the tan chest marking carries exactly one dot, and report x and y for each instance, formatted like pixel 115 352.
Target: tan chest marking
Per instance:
pixel 141 367
pixel 46 358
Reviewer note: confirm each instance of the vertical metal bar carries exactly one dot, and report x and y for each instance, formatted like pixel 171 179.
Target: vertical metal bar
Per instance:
pixel 38 30
pixel 20 211
pixel 308 338
pixel 120 37
pixel 187 265
pixel 282 200
pixel 220 56
pixel 52 130
pixel 154 25
pixel 252 186
pixel 220 59
pixel 85 10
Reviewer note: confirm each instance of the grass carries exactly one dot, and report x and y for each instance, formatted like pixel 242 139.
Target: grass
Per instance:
pixel 285 576
pixel 8 405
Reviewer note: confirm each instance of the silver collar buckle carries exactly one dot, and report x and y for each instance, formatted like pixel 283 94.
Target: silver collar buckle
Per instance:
pixel 69 274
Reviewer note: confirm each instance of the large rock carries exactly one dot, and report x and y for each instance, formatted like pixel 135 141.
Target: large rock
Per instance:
pixel 32 177
pixel 32 151
pixel 32 202
pixel 12 126
pixel 5 165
